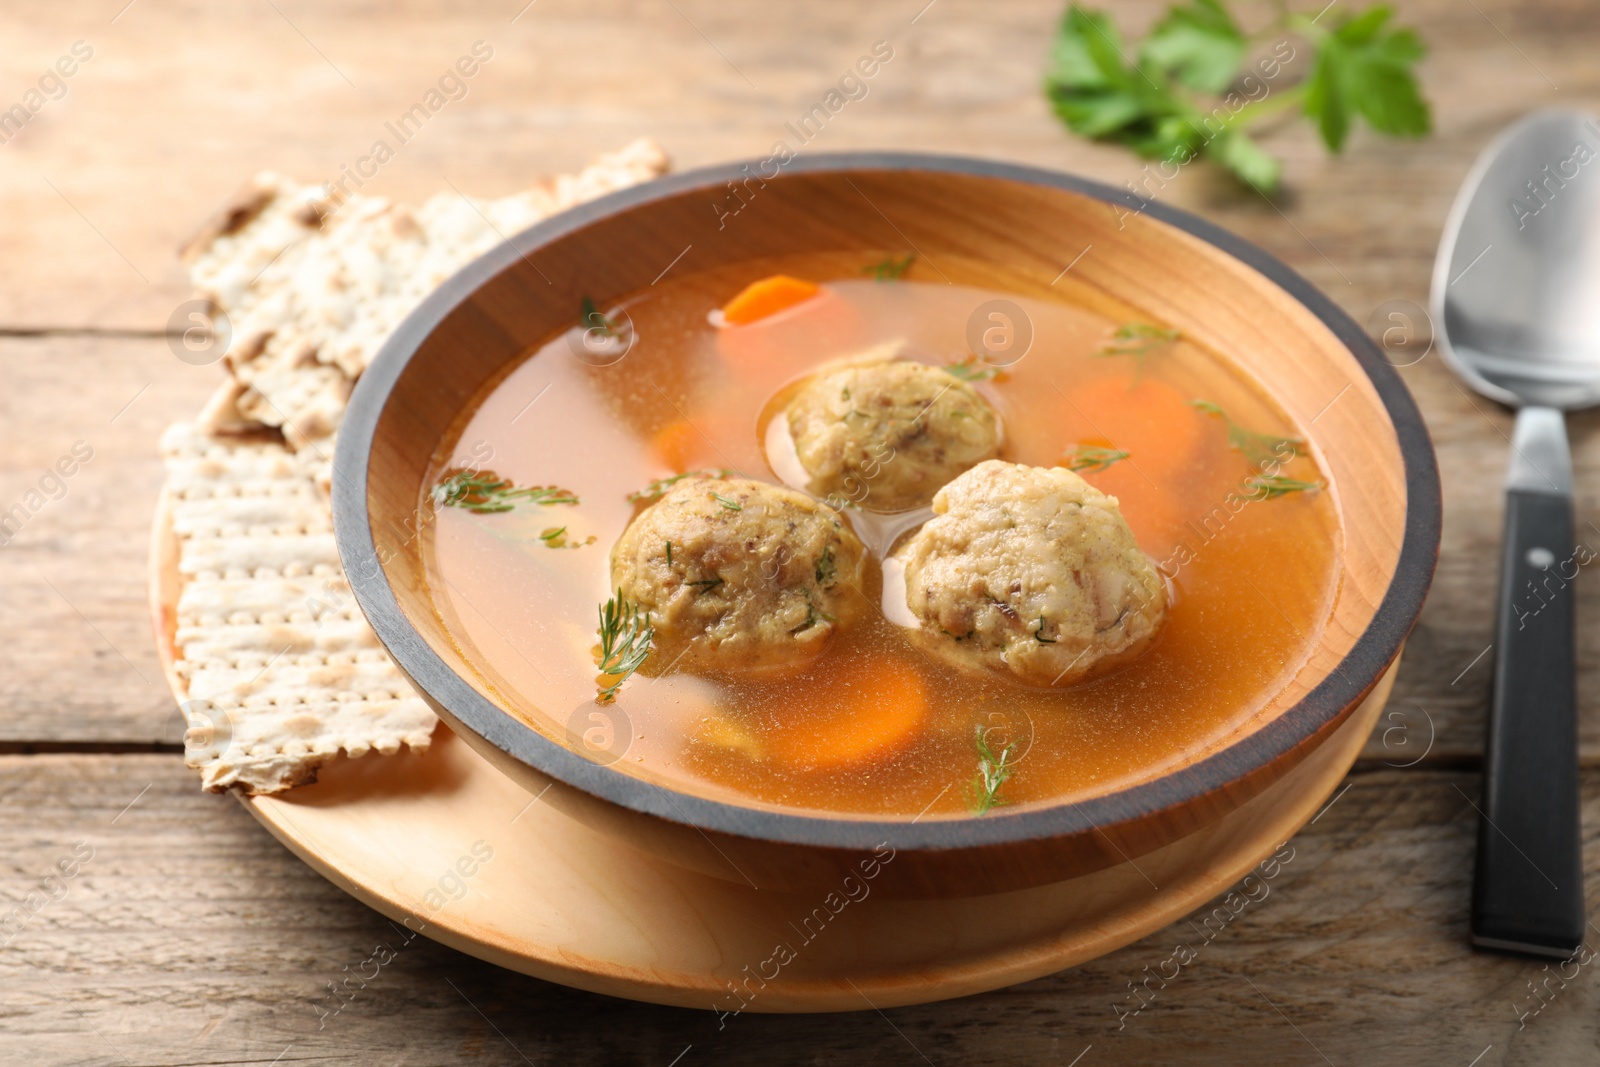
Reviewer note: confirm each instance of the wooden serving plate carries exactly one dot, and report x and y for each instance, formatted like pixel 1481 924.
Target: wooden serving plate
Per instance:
pixel 446 846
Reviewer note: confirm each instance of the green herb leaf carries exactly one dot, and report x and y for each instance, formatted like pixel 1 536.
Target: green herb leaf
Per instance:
pixel 483 492
pixel 1199 43
pixel 1092 458
pixel 1101 96
pixel 591 318
pixel 993 772
pixel 826 568
pixel 1364 68
pixel 658 488
pixel 1258 448
pixel 1137 339
pixel 1272 486
pixel 1249 161
pixel 1179 101
pixel 969 371
pixel 729 505
pixel 891 269
pixel 626 638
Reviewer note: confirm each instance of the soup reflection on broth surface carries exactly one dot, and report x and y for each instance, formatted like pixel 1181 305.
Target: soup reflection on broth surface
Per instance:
pixel 824 405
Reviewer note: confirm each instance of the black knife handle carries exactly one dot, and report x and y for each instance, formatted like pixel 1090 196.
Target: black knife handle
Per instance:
pixel 1527 893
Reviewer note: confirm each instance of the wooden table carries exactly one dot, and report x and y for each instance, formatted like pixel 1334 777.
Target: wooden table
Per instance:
pixel 191 937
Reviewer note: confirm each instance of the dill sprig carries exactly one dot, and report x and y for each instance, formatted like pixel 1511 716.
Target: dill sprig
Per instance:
pixel 727 503
pixel 483 492
pixel 591 317
pixel 1271 486
pixel 993 772
pixel 969 371
pixel 658 488
pixel 1092 458
pixel 1256 447
pixel 626 637
pixel 1137 339
pixel 891 269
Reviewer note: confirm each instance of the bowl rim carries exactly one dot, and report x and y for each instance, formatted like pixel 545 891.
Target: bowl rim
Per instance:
pixel 1345 685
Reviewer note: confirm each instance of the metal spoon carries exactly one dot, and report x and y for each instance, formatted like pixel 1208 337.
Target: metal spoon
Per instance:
pixel 1516 296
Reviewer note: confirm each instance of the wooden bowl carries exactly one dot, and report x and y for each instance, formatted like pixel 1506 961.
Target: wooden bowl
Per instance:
pixel 1218 290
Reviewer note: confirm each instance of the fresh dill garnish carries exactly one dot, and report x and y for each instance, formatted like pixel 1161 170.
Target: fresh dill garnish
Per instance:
pixel 658 488
pixel 826 568
pixel 1038 634
pixel 484 492
pixel 1137 339
pixel 591 318
pixel 993 772
pixel 730 505
pixel 1092 458
pixel 555 536
pixel 1256 447
pixel 1270 486
pixel 626 637
pixel 891 269
pixel 706 584
pixel 969 371
pixel 669 553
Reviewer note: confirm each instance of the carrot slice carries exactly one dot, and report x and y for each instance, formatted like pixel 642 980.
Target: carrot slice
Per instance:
pixel 677 444
pixel 767 297
pixel 1162 434
pixel 866 708
pixel 1151 420
pixel 763 355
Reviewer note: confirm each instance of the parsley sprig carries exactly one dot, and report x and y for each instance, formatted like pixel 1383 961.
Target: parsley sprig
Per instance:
pixel 1186 89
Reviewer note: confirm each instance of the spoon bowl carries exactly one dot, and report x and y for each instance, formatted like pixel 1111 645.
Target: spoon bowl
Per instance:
pixel 1518 273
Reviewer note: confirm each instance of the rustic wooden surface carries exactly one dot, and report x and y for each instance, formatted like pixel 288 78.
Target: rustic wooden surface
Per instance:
pixel 192 937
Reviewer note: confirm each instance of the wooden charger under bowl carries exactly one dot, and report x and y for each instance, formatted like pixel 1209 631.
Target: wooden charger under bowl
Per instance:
pixel 1028 224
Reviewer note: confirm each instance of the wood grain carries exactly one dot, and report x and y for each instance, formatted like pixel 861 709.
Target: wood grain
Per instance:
pixel 229 88
pixel 191 937
pixel 194 938
pixel 77 664
pixel 232 88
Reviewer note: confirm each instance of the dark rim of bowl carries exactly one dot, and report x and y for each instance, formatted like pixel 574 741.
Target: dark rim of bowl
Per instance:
pixel 1368 658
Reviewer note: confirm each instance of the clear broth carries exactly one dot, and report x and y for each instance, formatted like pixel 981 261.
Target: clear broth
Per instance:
pixel 1253 584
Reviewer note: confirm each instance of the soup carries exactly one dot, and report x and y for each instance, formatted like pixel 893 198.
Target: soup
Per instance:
pixel 567 453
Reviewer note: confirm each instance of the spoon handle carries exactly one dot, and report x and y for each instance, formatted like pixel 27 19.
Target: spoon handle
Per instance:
pixel 1528 887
